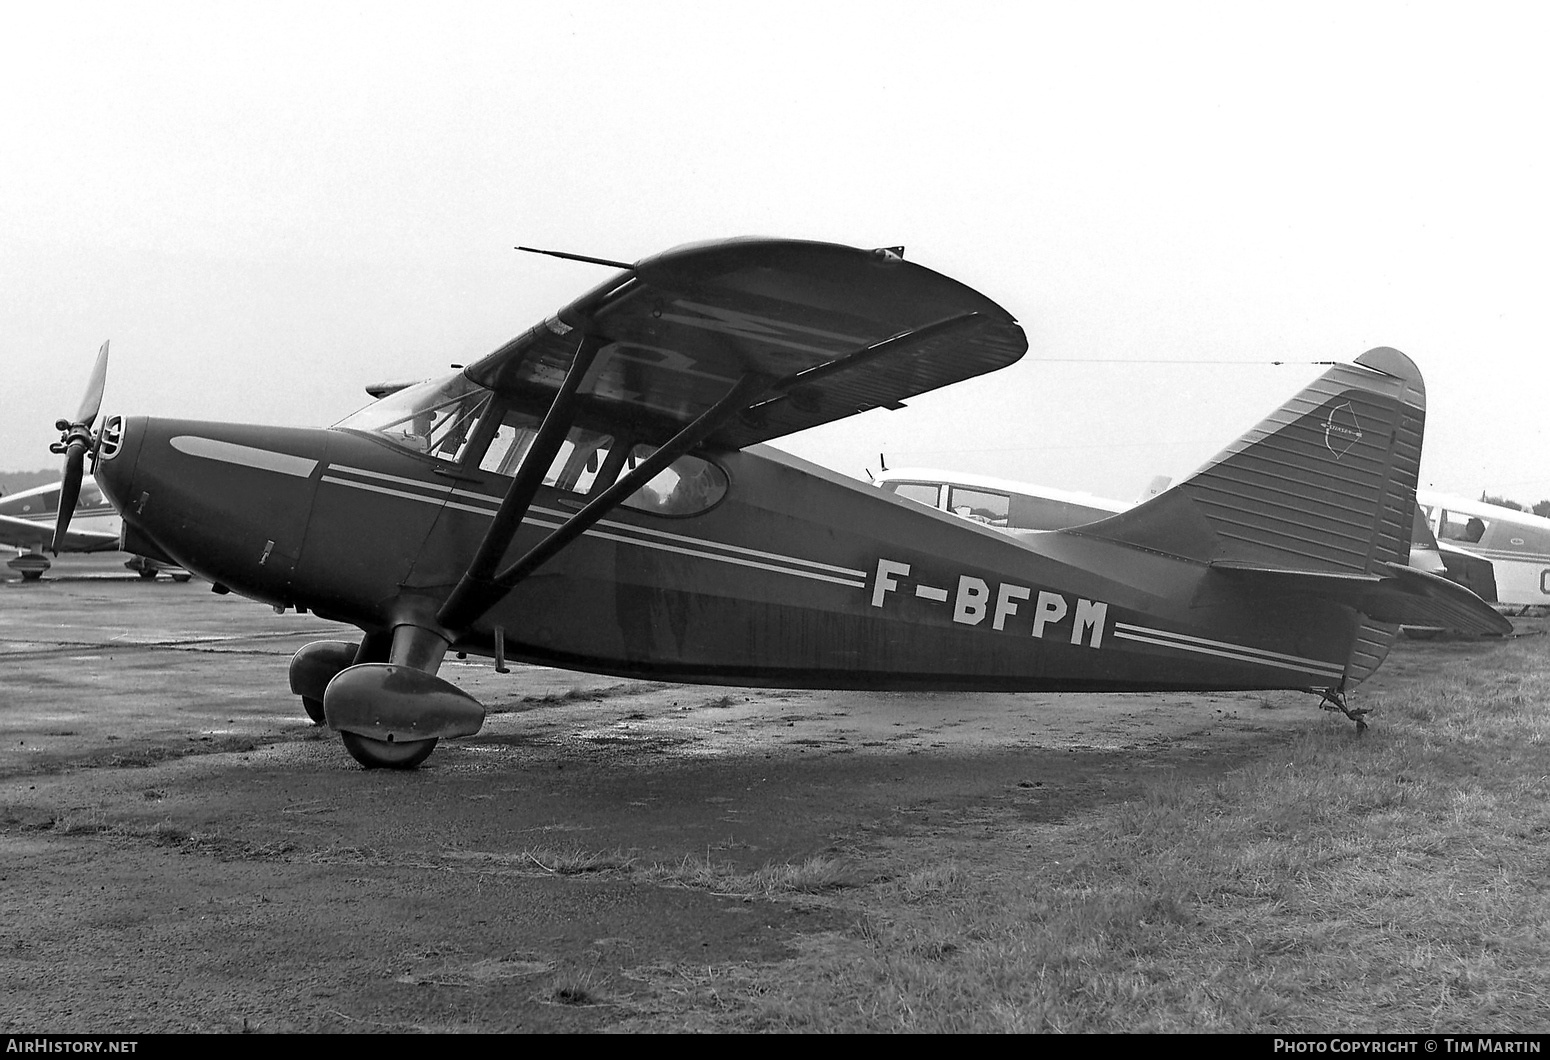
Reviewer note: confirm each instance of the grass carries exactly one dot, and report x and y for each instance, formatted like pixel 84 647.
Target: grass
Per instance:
pixel 1397 881
pixel 1392 882
pixel 812 876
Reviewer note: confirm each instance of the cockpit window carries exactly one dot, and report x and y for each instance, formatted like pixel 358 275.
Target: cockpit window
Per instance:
pixel 924 492
pixel 436 417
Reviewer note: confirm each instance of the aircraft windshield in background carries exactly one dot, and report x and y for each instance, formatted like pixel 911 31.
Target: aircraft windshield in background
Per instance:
pixel 593 495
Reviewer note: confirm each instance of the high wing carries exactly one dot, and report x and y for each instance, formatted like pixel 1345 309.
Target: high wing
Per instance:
pixel 830 330
pixel 21 533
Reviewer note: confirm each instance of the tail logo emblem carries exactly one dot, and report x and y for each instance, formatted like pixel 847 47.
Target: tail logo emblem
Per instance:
pixel 1341 431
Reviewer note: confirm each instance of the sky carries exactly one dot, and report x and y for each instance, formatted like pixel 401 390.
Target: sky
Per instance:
pixel 267 207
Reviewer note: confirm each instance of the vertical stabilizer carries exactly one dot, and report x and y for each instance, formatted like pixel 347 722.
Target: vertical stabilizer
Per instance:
pixel 1324 484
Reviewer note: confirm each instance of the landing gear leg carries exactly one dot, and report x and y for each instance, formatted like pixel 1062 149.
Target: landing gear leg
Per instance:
pixel 410 646
pixel 1334 699
pixel 376 646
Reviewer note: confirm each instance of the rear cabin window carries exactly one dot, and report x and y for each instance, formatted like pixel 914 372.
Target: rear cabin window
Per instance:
pixel 687 486
pixel 982 506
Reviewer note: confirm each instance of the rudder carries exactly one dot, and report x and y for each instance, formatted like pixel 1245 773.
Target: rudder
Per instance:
pixel 1326 483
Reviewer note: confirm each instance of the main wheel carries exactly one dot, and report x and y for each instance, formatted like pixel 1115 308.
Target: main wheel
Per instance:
pixel 147 574
pixel 181 578
pixel 375 754
pixel 314 709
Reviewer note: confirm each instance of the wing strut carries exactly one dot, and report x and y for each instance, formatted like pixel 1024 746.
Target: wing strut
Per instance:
pixel 736 400
pixel 476 590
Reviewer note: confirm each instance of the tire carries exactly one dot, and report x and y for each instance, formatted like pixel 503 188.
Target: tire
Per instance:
pixel 380 754
pixel 314 709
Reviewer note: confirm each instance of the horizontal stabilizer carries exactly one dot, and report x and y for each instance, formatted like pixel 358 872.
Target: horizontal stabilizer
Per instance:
pixel 1400 594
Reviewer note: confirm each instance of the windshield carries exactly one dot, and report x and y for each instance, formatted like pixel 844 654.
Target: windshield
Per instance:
pixel 436 417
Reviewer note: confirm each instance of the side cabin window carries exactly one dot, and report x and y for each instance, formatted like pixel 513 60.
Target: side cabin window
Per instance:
pixel 575 468
pixel 982 506
pixel 687 486
pixel 1455 526
pixel 436 418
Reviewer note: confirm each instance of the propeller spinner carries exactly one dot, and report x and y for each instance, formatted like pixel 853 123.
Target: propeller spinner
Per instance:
pixel 75 439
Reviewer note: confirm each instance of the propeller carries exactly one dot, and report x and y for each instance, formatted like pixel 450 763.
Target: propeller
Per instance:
pixel 75 438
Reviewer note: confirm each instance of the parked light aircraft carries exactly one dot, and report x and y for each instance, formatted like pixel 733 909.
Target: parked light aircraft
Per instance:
pixel 1500 553
pixel 1014 506
pixel 594 495
pixel 28 519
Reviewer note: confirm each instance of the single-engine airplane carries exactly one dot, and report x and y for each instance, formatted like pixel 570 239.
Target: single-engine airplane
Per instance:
pixel 1500 553
pixel 28 519
pixel 593 495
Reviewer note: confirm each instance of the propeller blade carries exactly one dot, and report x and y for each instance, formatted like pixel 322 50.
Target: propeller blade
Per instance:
pixel 69 491
pixel 76 439
pixel 91 403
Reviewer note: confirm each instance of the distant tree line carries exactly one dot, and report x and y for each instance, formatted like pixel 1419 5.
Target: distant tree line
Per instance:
pixel 1540 509
pixel 16 481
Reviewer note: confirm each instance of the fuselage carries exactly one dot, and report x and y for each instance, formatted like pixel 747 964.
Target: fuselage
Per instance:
pixel 785 575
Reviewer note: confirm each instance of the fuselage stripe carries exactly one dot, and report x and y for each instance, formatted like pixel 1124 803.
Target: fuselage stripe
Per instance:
pixel 434 486
pixel 1241 648
pixel 1322 669
pixel 383 489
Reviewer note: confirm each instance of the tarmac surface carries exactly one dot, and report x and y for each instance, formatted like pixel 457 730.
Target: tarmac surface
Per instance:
pixel 181 850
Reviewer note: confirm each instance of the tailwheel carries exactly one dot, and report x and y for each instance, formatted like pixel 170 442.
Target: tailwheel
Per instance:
pixel 1334 699
pixel 387 754
pixel 314 709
